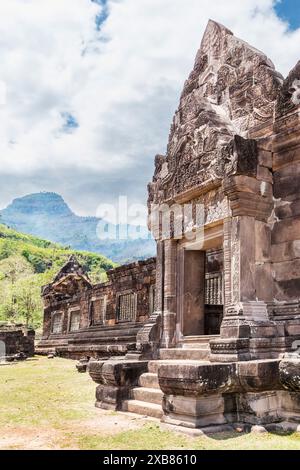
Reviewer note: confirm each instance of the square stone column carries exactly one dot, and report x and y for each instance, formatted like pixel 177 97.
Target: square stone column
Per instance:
pixel 246 331
pixel 169 302
pixel 159 284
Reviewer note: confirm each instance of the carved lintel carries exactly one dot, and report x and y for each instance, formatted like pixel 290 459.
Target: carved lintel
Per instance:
pixel 249 197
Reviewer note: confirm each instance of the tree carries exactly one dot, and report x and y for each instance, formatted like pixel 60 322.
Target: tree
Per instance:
pixel 28 299
pixel 11 270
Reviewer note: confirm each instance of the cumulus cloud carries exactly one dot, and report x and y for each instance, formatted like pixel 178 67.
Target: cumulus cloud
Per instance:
pixel 91 87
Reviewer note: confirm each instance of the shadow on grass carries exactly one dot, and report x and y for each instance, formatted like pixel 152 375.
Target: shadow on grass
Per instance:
pixel 225 436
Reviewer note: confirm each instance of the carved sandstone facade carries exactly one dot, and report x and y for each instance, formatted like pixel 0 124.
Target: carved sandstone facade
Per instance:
pixel 221 345
pixel 102 320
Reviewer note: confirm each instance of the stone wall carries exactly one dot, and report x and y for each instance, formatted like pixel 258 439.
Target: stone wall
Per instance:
pixel 17 339
pixel 111 313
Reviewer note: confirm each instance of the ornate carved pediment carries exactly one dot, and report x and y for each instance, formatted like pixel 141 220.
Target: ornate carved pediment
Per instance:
pixel 70 280
pixel 70 285
pixel 232 88
pixel 72 266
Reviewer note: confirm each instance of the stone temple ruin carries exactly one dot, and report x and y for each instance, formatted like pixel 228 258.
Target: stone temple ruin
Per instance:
pixel 84 320
pixel 221 345
pixel 16 342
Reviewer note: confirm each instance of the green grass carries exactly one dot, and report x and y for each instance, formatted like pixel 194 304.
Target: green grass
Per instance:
pixel 47 404
pixel 151 437
pixel 42 392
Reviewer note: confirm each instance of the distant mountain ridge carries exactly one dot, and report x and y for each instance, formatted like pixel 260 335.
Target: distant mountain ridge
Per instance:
pixel 48 216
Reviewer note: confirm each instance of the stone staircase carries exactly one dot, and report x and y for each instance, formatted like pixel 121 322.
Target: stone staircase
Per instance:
pixel 146 399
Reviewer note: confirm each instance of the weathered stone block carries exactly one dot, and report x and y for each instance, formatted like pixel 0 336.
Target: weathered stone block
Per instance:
pixel 290 406
pixel 193 412
pixel 287 289
pixel 285 251
pixel 285 186
pixel 264 282
pixel 264 174
pixel 265 158
pixel 257 376
pixel 282 158
pixel 192 379
pixel 286 230
pixel 292 328
pixel 259 408
pixel 287 209
pixel 262 242
pixel 287 270
pixel 289 373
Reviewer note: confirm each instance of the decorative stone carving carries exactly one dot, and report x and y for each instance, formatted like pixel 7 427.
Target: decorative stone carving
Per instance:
pixel 232 88
pixel 289 96
pixel 98 320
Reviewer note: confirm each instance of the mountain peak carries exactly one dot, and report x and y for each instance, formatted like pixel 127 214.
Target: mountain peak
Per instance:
pixel 46 215
pixel 43 203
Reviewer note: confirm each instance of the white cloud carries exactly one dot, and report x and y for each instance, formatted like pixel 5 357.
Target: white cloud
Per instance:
pixel 121 84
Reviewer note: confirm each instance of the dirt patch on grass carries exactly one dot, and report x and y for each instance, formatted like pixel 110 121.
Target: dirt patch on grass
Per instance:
pixel 17 437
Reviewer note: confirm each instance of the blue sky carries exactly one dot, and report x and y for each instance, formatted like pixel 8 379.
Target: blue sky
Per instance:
pixel 289 10
pixel 104 13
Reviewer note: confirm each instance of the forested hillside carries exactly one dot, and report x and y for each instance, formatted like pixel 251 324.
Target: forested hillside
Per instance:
pixel 27 263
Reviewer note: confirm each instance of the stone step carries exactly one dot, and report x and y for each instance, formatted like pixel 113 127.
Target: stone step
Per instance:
pixel 143 408
pixel 153 366
pixel 203 346
pixel 149 380
pixel 149 395
pixel 125 338
pixel 190 342
pixel 100 348
pixel 185 354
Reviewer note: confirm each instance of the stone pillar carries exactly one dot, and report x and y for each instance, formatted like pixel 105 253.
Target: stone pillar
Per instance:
pixel 149 336
pixel 227 262
pixel 246 326
pixel 159 284
pixel 169 303
pixel 242 259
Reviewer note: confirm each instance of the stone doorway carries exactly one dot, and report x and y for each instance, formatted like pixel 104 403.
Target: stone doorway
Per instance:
pixel 202 292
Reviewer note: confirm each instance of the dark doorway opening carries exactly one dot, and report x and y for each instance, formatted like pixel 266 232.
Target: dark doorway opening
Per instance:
pixel 214 291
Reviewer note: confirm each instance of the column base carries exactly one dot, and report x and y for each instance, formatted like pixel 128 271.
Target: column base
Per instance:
pixel 193 412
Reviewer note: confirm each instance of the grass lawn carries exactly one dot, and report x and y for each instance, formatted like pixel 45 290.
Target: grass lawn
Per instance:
pixel 46 404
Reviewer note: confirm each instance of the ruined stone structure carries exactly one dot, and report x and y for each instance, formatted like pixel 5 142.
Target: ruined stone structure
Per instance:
pixel 16 342
pixel 82 319
pixel 222 345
